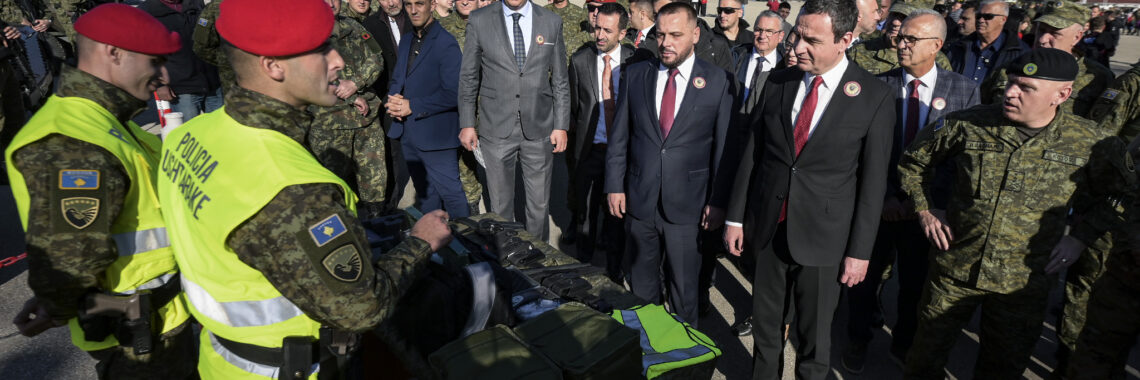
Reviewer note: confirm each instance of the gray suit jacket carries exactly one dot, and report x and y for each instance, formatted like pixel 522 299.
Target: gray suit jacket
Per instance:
pixel 538 98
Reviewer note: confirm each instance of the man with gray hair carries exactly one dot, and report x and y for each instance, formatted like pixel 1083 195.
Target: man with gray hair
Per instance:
pixel 880 55
pixel 925 92
pixel 989 48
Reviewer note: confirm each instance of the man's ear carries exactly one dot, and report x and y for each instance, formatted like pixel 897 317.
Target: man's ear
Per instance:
pixel 114 54
pixel 273 67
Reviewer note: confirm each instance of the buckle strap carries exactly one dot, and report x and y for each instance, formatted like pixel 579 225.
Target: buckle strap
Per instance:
pixel 266 356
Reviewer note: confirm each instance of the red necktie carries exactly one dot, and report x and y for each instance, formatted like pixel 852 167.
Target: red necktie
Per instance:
pixel 608 94
pixel 803 128
pixel 668 100
pixel 637 41
pixel 912 112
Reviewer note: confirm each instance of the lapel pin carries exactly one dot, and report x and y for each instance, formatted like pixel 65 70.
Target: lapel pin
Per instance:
pixel 539 40
pixel 699 82
pixel 852 88
pixel 938 103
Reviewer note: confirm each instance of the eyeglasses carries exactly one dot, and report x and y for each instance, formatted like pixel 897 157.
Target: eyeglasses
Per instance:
pixel 988 16
pixel 911 40
pixel 767 32
pixel 726 10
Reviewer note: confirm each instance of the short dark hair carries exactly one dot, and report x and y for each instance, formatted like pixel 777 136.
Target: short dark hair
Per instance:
pixel 678 7
pixel 615 9
pixel 646 5
pixel 843 14
pixel 784 4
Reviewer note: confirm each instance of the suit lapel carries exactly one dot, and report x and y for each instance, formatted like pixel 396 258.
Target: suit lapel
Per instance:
pixel 535 32
pixel 592 68
pixel 501 25
pixel 788 101
pixel 650 85
pixel 941 90
pixel 839 101
pixel 425 47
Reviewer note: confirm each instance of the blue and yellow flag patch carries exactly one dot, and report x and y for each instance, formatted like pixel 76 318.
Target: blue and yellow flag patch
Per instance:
pixel 327 230
pixel 79 179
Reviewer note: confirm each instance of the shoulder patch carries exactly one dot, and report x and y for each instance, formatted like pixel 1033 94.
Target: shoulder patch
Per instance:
pixel 344 263
pixel 327 230
pixel 79 212
pixel 70 179
pixel 1109 94
pixel 203 22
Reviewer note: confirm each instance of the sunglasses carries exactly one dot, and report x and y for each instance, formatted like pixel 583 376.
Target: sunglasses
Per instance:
pixel 592 7
pixel 726 10
pixel 989 16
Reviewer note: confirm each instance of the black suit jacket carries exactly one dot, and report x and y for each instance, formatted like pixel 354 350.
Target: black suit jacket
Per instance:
pixel 584 109
pixel 678 172
pixel 377 24
pixel 959 93
pixel 836 184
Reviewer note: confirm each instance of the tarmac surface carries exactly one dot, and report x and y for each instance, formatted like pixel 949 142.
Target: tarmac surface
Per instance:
pixel 52 356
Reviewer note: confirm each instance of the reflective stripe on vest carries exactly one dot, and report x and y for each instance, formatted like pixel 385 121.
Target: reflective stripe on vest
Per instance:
pixel 650 356
pixel 133 243
pixel 152 284
pixel 240 313
pixel 248 366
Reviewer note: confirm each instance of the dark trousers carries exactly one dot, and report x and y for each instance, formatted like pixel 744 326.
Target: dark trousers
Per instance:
pixel 682 263
pixel 814 292
pixel 589 179
pixel 905 241
pixel 435 176
pixel 397 173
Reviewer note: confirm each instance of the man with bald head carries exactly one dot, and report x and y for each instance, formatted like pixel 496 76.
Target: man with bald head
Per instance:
pixel 989 49
pixel 867 26
pixel 925 93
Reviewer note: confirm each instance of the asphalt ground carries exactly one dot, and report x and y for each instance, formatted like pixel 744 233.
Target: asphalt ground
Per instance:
pixel 52 356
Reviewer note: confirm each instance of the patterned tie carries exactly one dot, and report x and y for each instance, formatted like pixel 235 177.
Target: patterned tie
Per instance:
pixel 912 112
pixel 803 128
pixel 608 94
pixel 520 47
pixel 668 100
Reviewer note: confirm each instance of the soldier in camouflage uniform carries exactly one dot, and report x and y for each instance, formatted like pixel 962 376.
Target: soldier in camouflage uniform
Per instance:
pixel 574 34
pixel 208 46
pixel 1113 322
pixel 69 256
pixel 347 137
pixel 1060 27
pixel 1017 169
pixel 456 24
pixel 880 55
pixel 1117 110
pixel 63 14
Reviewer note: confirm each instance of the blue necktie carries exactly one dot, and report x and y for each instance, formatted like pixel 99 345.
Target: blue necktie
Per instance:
pixel 520 48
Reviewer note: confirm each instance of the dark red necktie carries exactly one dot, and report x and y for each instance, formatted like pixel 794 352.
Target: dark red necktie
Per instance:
pixel 803 129
pixel 637 41
pixel 912 112
pixel 668 101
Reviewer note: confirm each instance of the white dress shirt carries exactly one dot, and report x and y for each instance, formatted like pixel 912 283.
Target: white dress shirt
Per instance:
pixel 644 34
pixel 925 96
pixel 395 29
pixel 826 89
pixel 615 75
pixel 684 71
pixel 526 23
pixel 768 64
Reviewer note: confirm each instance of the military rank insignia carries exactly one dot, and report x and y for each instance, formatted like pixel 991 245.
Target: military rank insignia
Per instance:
pixel 327 230
pixel 1029 69
pixel 78 179
pixel 203 22
pixel 852 88
pixel 699 82
pixel 344 263
pixel 79 212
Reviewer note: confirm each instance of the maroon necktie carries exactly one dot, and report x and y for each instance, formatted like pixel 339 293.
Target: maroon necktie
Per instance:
pixel 803 128
pixel 668 100
pixel 912 112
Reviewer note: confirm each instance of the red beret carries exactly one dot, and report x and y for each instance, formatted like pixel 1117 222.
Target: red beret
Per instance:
pixel 127 27
pixel 275 28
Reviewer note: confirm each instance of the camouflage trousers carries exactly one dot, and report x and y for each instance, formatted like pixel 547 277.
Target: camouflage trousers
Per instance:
pixel 1110 331
pixel 1079 281
pixel 471 186
pixel 175 356
pixel 1009 328
pixel 357 157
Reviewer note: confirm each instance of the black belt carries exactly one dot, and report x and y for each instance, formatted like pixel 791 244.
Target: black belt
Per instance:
pixel 164 294
pixel 267 356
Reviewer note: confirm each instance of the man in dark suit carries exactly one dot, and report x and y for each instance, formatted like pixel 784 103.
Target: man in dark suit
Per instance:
pixel 423 102
pixel 753 64
pixel 512 50
pixel 389 26
pixel 810 187
pixel 663 158
pixel 712 48
pixel 593 98
pixel 939 92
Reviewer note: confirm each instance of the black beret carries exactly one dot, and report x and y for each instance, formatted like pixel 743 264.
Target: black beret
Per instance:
pixel 1045 63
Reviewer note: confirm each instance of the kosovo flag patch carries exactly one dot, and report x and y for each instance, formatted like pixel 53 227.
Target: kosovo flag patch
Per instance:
pixel 79 179
pixel 327 230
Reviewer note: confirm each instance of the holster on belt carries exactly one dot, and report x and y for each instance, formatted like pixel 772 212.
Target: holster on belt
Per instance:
pixel 129 318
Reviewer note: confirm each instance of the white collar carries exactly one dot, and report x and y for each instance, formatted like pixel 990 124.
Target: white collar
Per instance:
pixel 525 10
pixel 772 56
pixel 927 79
pixel 832 77
pixel 684 69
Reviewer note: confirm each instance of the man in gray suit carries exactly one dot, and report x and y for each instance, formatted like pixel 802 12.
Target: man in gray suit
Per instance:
pixel 514 70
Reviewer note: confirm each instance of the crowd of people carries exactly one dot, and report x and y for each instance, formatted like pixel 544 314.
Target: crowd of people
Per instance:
pixel 974 151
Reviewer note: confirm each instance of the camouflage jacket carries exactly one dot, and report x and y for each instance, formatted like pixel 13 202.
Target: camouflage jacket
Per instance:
pixel 1117 109
pixel 1009 201
pixel 10 13
pixel 273 241
pixel 363 64
pixel 1092 78
pixel 208 45
pixel 65 262
pixel 877 56
pixel 456 26
pixel 63 14
pixel 574 34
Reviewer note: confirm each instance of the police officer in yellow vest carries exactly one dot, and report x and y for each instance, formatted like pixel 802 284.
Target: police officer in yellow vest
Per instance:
pixel 274 262
pixel 83 178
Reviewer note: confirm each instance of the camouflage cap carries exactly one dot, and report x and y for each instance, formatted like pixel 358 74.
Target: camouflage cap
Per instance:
pixel 1063 14
pixel 907 7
